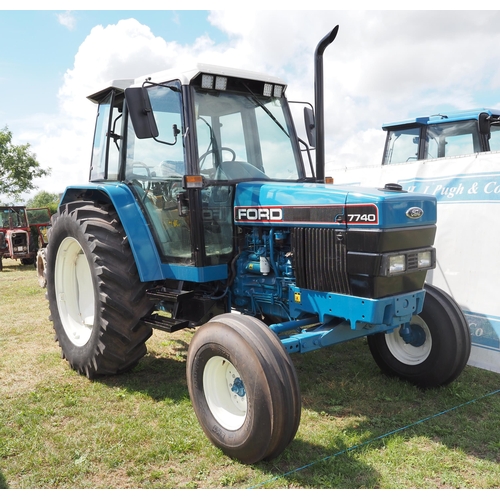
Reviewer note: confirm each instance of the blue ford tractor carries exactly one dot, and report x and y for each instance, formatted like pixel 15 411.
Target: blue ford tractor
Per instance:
pixel 201 213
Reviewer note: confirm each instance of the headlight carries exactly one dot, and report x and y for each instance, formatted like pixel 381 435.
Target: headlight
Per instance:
pixel 207 81
pixel 220 83
pixel 392 264
pixel 268 89
pixel 424 259
pixel 397 264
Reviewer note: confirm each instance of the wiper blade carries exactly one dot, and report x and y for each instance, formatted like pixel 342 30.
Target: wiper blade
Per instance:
pixel 273 118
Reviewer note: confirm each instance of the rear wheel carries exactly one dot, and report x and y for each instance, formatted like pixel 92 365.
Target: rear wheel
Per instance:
pixel 435 350
pixel 95 296
pixel 243 387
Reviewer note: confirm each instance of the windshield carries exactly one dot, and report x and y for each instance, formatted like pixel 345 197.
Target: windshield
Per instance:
pixel 12 217
pixel 452 139
pixel 242 136
pixel 441 140
pixel 38 215
pixel 402 146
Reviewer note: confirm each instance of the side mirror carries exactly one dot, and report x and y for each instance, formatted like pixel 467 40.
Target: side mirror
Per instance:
pixel 310 126
pixel 484 123
pixel 141 113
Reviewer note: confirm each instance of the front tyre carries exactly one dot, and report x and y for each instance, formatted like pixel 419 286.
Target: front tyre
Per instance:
pixel 437 348
pixel 243 387
pixel 96 299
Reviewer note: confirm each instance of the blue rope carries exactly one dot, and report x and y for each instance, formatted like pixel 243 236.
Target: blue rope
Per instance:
pixel 347 450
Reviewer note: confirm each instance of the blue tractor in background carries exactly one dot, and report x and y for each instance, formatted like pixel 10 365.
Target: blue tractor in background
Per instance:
pixel 201 213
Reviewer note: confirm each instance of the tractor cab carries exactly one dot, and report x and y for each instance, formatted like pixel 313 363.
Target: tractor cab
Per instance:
pixel 14 234
pixel 13 218
pixel 182 142
pixel 442 136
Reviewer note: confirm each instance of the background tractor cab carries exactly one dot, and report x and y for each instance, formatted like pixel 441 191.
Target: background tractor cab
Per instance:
pixel 23 232
pixel 442 135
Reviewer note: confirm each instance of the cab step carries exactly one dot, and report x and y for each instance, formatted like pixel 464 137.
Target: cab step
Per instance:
pixel 169 294
pixel 166 324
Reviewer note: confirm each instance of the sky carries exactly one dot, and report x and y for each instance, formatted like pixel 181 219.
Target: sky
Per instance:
pixel 385 65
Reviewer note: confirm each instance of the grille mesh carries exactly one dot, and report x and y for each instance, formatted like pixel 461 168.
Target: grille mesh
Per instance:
pixel 320 259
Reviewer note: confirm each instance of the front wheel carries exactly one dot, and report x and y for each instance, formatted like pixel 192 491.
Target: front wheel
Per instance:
pixel 243 387
pixel 435 350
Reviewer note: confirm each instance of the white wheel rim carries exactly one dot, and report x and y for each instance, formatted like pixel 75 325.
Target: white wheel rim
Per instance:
pixel 225 393
pixel 74 291
pixel 407 353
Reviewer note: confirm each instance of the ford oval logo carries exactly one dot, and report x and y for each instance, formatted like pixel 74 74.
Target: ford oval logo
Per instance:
pixel 414 213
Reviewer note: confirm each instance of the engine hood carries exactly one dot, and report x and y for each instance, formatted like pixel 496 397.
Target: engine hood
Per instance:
pixel 285 204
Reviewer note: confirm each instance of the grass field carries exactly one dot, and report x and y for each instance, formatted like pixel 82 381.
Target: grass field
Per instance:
pixel 359 429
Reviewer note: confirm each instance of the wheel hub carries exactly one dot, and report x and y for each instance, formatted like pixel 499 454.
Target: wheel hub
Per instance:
pixel 413 334
pixel 238 387
pixel 412 343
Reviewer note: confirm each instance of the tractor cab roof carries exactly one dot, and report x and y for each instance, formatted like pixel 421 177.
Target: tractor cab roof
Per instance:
pixel 185 77
pixel 453 116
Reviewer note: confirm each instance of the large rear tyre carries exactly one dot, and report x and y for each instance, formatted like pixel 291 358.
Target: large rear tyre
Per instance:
pixel 95 296
pixel 243 387
pixel 438 347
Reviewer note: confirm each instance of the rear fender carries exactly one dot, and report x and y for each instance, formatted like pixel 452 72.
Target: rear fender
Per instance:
pixel 134 223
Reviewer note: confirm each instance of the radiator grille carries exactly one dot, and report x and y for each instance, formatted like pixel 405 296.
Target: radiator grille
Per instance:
pixel 412 262
pixel 320 259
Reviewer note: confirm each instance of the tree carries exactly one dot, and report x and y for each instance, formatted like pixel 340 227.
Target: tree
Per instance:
pixel 18 167
pixel 44 199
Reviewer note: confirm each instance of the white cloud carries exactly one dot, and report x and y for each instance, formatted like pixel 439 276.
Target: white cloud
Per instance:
pixel 383 66
pixel 67 19
pixel 124 50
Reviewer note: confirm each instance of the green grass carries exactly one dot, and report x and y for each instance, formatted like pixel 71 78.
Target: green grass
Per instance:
pixel 359 429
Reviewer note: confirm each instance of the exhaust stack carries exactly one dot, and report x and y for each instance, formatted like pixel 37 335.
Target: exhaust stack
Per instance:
pixel 319 103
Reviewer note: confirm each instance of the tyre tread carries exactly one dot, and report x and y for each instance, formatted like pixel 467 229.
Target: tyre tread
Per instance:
pixel 121 295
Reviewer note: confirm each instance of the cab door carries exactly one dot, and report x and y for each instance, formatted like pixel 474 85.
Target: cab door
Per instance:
pixel 155 165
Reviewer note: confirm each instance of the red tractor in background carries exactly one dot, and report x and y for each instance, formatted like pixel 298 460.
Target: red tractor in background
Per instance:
pixel 23 235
